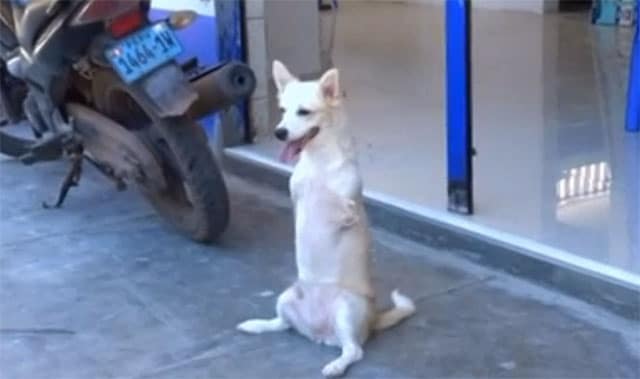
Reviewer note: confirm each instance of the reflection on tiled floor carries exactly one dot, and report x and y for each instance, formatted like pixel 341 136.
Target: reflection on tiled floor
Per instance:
pixel 554 170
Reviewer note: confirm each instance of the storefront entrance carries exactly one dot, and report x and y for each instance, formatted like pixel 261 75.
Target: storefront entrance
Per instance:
pixel 554 171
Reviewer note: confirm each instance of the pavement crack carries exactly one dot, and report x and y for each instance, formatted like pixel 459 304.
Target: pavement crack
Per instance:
pixel 217 351
pixel 37 331
pixel 456 288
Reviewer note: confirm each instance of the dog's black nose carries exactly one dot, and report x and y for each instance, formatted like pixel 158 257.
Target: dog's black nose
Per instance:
pixel 281 134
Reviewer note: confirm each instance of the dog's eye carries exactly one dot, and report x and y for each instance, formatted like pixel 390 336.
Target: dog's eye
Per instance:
pixel 303 112
pixel 282 110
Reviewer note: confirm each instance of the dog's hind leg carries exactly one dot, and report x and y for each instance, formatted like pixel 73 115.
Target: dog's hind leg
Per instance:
pixel 350 329
pixel 276 324
pixel 351 353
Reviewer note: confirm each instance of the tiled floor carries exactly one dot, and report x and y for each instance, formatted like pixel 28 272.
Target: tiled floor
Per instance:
pixel 548 108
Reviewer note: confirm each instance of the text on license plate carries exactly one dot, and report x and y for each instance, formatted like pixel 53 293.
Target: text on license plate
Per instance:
pixel 143 51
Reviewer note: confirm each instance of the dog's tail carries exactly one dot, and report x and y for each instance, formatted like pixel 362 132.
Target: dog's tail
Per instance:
pixel 403 307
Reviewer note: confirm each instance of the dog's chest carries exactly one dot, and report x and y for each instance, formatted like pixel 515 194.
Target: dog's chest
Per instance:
pixel 316 204
pixel 307 181
pixel 325 248
pixel 317 208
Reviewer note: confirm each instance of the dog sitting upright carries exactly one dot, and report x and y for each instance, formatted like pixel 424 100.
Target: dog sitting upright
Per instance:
pixel 332 302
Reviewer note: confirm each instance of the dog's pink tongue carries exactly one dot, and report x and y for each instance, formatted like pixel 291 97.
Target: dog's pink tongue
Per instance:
pixel 289 152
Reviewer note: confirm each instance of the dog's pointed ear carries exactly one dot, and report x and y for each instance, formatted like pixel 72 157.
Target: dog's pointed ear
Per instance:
pixel 281 75
pixel 330 86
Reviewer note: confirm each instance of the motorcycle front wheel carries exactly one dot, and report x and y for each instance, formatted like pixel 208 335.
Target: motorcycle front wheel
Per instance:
pixel 195 198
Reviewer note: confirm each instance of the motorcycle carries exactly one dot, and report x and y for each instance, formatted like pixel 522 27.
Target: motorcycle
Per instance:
pixel 98 82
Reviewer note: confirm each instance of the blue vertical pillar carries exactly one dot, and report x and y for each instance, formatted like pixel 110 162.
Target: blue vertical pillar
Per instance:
pixel 459 107
pixel 232 46
pixel 633 92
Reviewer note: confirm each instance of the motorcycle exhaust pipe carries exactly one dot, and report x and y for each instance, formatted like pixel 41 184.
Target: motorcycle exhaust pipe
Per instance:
pixel 220 87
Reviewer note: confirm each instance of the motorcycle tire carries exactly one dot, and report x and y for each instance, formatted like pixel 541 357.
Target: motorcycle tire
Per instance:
pixel 13 146
pixel 203 214
pixel 12 94
pixel 196 201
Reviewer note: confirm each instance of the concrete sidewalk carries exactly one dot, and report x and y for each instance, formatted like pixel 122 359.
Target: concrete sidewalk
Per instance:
pixel 103 289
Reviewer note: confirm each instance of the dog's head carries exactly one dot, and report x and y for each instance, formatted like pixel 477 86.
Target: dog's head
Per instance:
pixel 307 108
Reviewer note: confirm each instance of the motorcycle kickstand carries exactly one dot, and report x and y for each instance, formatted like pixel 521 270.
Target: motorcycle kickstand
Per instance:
pixel 72 179
pixel 108 172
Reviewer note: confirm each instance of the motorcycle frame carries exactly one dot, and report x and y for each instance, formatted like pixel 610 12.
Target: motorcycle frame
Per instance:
pixel 46 67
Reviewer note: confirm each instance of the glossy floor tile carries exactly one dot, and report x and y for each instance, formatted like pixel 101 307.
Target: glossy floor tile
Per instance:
pixel 555 171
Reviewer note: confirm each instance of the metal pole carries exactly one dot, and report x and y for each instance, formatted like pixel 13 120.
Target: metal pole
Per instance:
pixel 633 91
pixel 459 107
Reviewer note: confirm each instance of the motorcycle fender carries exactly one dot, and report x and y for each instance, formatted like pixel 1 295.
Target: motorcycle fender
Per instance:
pixel 167 91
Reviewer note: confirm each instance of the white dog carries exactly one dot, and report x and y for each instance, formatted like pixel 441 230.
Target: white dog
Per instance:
pixel 332 301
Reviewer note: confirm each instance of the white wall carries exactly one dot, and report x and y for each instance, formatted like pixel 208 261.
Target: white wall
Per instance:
pixel 537 6
pixel 287 30
pixel 293 34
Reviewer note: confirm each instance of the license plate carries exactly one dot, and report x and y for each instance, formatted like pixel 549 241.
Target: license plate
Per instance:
pixel 140 53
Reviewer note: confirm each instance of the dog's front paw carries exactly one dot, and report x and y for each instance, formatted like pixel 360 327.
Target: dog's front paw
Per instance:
pixel 333 369
pixel 349 213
